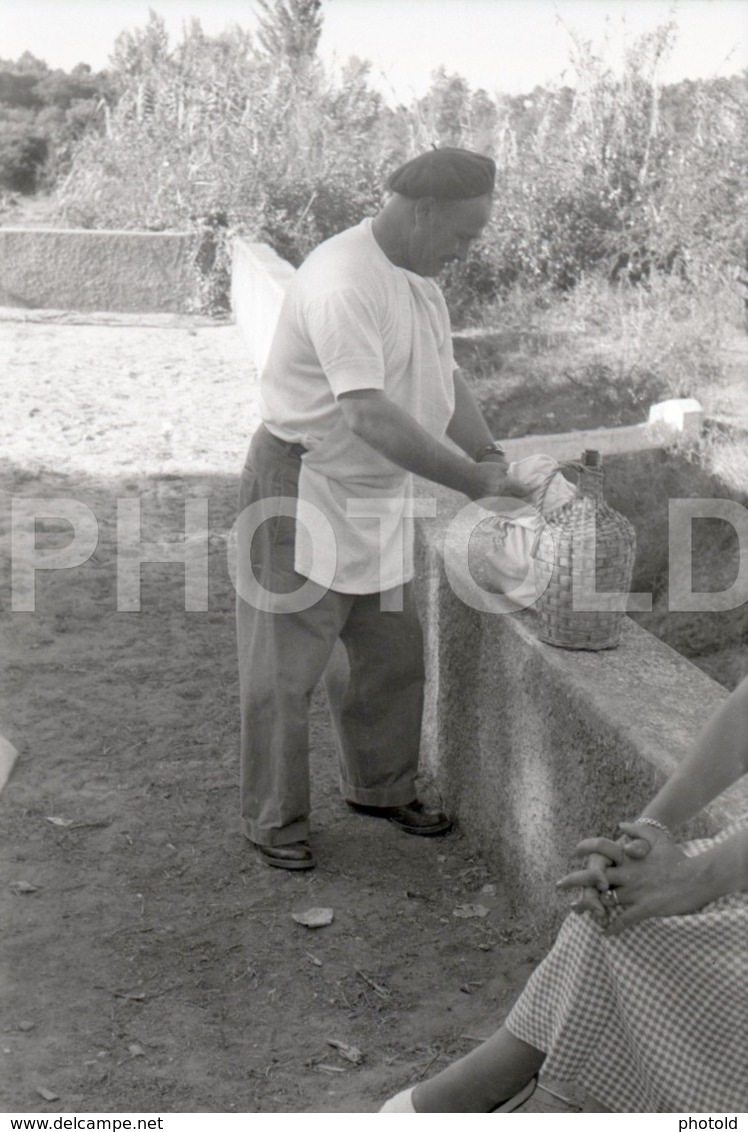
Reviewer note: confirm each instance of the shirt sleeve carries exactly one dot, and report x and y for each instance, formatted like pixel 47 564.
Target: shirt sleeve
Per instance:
pixel 346 336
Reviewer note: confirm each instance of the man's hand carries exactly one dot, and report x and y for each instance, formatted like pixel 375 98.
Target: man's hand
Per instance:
pixel 491 482
pixel 494 458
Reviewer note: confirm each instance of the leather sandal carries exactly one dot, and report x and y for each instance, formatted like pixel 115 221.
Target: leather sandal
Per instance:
pixel 296 855
pixel 412 818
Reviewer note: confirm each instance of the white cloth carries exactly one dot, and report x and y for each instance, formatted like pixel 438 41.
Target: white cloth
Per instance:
pixel 352 320
pixel 653 1020
pixel 500 550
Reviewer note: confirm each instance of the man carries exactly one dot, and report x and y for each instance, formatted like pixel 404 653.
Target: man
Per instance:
pixel 358 392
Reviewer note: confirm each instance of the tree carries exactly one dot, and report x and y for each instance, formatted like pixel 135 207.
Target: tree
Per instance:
pixel 22 151
pixel 42 112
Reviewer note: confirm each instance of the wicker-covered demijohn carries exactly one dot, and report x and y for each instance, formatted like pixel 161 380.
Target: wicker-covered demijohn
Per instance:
pixel 586 548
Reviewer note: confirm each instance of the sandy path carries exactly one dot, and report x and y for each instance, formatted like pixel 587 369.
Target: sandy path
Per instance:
pixel 112 399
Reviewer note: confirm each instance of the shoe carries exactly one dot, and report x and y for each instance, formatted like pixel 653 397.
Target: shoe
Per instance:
pixel 297 855
pixel 413 818
pixel 403 1102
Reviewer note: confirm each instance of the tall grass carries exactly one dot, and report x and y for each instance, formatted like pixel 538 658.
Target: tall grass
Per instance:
pixel 601 355
pixel 617 177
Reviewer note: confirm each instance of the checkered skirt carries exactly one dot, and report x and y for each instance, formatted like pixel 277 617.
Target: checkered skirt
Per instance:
pixel 653 1020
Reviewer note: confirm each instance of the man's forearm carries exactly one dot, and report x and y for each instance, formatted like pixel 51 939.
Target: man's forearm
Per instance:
pixel 393 433
pixel 468 428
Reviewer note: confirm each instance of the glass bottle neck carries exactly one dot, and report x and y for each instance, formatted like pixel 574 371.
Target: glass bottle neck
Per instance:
pixel 591 484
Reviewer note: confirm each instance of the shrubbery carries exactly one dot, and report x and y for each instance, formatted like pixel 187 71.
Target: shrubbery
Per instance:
pixel 242 134
pixel 618 177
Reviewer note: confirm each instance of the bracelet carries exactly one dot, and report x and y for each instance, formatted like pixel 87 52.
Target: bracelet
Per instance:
pixel 652 822
pixel 492 449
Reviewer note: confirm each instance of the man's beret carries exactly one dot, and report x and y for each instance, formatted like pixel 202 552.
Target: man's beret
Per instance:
pixel 445 174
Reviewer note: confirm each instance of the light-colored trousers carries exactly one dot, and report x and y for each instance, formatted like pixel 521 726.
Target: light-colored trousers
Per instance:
pixel 376 698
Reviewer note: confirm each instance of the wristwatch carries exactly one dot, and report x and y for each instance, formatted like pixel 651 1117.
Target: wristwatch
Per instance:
pixel 492 449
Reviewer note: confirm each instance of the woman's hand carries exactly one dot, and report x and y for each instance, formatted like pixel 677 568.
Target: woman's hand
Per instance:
pixel 592 878
pixel 590 898
pixel 663 883
pixel 601 853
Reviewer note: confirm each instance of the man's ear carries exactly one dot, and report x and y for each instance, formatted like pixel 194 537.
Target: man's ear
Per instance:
pixel 425 207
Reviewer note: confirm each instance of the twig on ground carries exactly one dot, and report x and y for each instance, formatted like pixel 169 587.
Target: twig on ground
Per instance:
pixel 381 991
pixel 141 996
pixel 425 1070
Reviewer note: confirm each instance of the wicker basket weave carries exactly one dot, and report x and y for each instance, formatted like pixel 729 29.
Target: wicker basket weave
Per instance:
pixel 584 547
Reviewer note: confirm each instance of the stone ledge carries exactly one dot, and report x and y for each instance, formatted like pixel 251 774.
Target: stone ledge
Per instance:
pixel 97 270
pixel 669 422
pixel 533 747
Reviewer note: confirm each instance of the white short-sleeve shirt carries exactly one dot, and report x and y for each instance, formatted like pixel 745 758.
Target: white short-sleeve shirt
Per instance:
pixel 353 320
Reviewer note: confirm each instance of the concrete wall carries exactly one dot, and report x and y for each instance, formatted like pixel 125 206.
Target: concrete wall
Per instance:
pixel 657 432
pixel 533 747
pixel 87 270
pixel 259 279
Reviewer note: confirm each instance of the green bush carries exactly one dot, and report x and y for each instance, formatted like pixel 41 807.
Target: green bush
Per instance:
pixel 42 114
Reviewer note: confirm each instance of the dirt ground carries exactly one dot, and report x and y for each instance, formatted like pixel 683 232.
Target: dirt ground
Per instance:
pixel 150 962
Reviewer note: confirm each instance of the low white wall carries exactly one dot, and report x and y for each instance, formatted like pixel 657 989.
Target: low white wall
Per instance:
pixel 259 279
pixel 657 432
